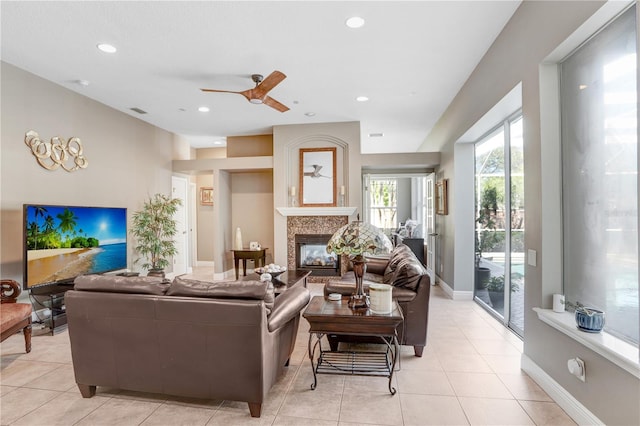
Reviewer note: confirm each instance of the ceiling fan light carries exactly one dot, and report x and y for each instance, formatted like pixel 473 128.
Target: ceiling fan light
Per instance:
pixel 255 101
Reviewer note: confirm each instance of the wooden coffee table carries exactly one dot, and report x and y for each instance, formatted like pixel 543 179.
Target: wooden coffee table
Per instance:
pixel 285 281
pixel 335 317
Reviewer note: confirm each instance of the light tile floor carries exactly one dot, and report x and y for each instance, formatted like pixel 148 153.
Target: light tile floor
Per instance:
pixel 469 374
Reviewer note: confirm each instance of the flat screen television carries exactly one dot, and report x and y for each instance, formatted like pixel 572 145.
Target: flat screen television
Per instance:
pixel 62 242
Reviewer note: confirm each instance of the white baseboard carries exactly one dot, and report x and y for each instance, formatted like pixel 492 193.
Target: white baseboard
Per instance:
pixel 453 294
pixel 578 412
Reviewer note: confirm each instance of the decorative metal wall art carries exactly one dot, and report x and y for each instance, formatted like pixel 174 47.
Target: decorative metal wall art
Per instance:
pixel 57 153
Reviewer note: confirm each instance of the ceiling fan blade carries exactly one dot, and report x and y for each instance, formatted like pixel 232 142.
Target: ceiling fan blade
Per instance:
pixel 246 93
pixel 268 83
pixel 275 104
pixel 220 91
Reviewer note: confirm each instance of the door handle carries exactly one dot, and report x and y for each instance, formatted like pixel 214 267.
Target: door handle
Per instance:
pixel 433 234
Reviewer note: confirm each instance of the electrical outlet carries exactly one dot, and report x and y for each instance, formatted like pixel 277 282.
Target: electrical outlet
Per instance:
pixel 577 368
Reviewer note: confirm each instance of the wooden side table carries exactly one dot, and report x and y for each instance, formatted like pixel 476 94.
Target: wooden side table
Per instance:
pixel 259 256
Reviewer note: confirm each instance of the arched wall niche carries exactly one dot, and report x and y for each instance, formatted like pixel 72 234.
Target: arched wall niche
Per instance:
pixel 292 150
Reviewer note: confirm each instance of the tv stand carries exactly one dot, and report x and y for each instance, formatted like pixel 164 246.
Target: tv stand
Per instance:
pixel 52 297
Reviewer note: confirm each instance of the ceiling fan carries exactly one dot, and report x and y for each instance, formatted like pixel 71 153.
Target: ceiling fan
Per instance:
pixel 258 95
pixel 316 172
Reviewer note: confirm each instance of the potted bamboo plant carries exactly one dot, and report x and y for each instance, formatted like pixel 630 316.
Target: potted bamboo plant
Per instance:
pixel 154 228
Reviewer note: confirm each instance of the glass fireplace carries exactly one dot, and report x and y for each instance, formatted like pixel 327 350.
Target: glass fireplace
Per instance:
pixel 311 255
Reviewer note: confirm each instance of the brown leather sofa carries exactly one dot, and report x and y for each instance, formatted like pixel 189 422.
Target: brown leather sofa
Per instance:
pixel 411 289
pixel 224 340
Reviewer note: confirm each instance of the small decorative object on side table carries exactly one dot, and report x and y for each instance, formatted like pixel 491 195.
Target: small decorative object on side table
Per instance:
pixel 356 239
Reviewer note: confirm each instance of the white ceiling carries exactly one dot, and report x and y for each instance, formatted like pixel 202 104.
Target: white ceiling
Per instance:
pixel 410 59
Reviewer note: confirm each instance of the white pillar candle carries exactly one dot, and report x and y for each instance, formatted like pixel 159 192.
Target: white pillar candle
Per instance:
pixel 342 190
pixel 380 298
pixel 292 191
pixel 238 244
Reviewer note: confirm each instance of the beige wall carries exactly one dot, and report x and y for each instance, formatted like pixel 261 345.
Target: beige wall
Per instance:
pixel 250 146
pixel 205 228
pixel 252 207
pixel 128 159
pixel 536 29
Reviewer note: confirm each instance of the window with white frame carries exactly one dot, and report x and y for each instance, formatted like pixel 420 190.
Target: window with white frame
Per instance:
pixel 383 203
pixel 600 175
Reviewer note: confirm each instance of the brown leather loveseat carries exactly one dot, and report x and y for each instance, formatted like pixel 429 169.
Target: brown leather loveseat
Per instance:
pixel 224 340
pixel 411 289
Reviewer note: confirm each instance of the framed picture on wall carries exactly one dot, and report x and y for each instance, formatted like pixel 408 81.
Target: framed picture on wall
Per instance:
pixel 318 177
pixel 206 196
pixel 442 207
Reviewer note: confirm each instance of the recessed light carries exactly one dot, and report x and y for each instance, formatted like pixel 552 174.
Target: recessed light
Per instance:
pixel 217 143
pixel 203 109
pixel 107 48
pixel 362 99
pixel 582 86
pixel 354 22
pixel 309 114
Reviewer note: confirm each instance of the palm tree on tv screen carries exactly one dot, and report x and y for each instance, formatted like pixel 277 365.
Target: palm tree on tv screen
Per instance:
pixel 68 222
pixel 38 211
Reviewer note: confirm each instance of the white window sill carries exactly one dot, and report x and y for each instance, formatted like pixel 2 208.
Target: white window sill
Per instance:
pixel 621 353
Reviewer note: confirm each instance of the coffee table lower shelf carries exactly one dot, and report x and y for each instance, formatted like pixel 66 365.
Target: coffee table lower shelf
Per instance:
pixel 361 363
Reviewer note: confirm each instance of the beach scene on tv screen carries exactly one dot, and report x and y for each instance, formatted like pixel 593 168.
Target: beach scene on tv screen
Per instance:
pixel 64 242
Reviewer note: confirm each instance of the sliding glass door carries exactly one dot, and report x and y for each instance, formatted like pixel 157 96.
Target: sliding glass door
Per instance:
pixel 499 233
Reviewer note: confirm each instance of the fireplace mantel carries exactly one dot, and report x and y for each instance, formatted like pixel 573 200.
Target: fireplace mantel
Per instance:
pixel 316 211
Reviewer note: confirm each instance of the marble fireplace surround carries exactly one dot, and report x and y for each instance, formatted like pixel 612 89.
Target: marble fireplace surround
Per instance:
pixel 314 225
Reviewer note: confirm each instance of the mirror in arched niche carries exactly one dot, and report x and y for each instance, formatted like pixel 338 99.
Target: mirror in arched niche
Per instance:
pixel 340 177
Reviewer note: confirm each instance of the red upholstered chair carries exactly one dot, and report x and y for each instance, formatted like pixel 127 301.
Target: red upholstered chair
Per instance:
pixel 14 316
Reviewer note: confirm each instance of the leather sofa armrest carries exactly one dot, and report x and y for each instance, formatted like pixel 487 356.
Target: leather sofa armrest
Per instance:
pixel 345 288
pixel 287 306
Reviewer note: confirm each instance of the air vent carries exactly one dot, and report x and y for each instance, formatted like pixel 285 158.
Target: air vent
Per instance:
pixel 138 110
pixel 376 135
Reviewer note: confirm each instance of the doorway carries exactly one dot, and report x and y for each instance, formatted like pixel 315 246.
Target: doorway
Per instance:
pixel 499 218
pixel 402 206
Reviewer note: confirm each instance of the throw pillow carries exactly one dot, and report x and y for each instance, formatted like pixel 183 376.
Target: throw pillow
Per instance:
pixel 398 254
pixel 408 274
pixel 253 290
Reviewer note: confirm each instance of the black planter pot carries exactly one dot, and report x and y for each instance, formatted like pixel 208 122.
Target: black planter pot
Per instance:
pixel 482 277
pixel 497 300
